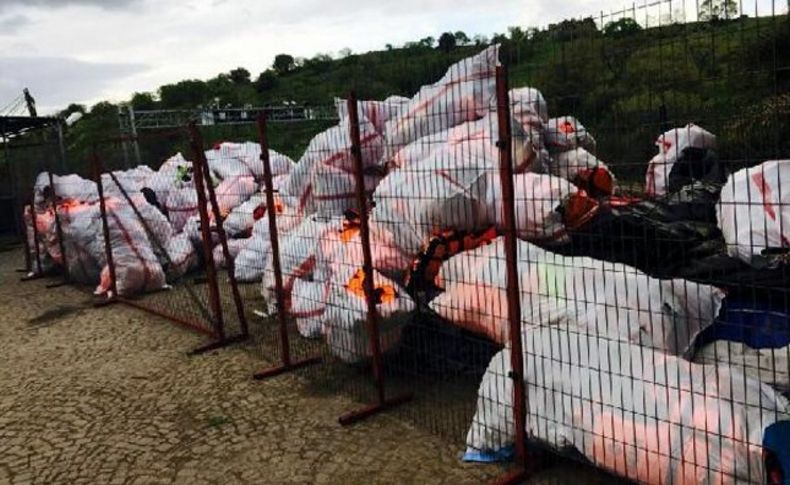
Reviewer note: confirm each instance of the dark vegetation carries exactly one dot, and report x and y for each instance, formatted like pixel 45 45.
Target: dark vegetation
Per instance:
pixel 625 83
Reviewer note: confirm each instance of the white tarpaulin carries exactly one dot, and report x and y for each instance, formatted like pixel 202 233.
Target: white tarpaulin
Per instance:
pixel 634 411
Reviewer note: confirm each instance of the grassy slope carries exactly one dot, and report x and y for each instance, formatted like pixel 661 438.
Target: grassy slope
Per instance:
pixel 728 77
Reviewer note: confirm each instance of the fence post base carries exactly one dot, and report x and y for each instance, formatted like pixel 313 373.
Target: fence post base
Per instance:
pixel 283 368
pixel 352 417
pixel 513 477
pixel 218 344
pixel 107 302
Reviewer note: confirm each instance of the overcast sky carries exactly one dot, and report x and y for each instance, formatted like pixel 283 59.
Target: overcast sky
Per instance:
pixel 89 50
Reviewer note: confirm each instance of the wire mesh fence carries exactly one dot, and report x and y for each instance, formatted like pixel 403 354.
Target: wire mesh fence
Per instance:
pixel 564 242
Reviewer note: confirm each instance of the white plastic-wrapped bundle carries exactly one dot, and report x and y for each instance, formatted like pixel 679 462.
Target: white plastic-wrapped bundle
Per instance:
pixel 308 305
pixel 182 254
pixel 670 145
pixel 769 365
pixel 478 139
pixel 132 180
pixel 83 241
pixel 331 149
pixel 137 267
pixel 181 204
pixel 65 188
pixel 228 159
pixel 377 112
pixel 345 315
pixel 754 212
pixel 48 236
pixel 463 94
pixel 175 172
pixel 250 263
pixel 583 169
pixel 298 250
pixel 537 199
pixel 637 412
pixel 255 255
pixel 234 191
pixel 566 133
pixel 443 191
pixel 241 219
pixel 40 260
pixel 235 246
pixel 334 190
pixel 612 300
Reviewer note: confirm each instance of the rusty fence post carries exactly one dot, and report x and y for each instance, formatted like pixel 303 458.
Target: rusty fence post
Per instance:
pixel 36 246
pixel 196 140
pixel 28 260
pixel 371 322
pixel 97 171
pixel 223 241
pixel 287 363
pixel 58 227
pixel 513 294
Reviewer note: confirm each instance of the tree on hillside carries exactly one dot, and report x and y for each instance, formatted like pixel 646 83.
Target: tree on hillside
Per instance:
pixel 621 28
pixel 240 76
pixel 480 39
pixel 143 101
pixel 718 9
pixel 343 53
pixel 517 34
pixel 72 108
pixel 427 42
pixel 266 81
pixel 184 94
pixel 447 42
pixel 499 39
pixel 461 38
pixel 283 63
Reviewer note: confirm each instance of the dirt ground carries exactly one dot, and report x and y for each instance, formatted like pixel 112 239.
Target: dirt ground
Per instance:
pixel 109 395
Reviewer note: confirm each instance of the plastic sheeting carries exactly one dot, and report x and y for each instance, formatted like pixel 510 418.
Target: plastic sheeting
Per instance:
pixel 610 299
pixel 345 324
pixel 634 411
pixel 537 201
pixel 670 146
pixel 331 150
pixel 754 213
pixel 463 94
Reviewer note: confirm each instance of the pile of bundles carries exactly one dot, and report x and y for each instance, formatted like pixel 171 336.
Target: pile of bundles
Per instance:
pixel 590 315
pixel 152 218
pixel 611 330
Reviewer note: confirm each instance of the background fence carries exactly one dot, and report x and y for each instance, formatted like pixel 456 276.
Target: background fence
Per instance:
pixel 584 265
